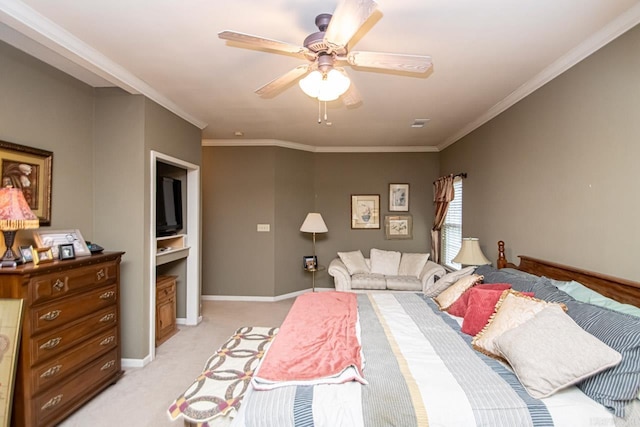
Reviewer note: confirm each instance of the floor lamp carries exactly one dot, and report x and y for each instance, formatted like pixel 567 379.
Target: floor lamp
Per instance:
pixel 314 223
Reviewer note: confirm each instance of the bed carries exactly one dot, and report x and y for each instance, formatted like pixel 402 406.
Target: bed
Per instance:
pixel 421 369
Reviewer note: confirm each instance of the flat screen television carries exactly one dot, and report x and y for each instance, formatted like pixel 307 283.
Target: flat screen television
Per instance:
pixel 168 206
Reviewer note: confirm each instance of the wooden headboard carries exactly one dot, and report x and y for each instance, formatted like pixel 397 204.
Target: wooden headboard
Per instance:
pixel 621 290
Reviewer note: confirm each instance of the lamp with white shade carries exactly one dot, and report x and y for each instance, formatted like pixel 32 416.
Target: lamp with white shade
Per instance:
pixel 470 253
pixel 314 223
pixel 15 215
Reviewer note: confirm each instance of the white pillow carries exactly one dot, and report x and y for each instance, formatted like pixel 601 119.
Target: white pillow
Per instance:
pixel 447 280
pixel 385 262
pixel 354 261
pixel 550 352
pixel 412 264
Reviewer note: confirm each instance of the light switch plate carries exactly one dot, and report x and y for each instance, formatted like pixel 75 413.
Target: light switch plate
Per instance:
pixel 264 228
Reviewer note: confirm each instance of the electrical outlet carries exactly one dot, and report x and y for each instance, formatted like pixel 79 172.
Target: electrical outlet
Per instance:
pixel 264 228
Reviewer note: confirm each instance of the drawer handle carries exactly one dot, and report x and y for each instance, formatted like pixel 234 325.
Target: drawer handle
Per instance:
pixel 52 402
pixel 51 371
pixel 108 340
pixel 108 295
pixel 52 343
pixel 52 315
pixel 100 274
pixel 108 317
pixel 108 365
pixel 58 285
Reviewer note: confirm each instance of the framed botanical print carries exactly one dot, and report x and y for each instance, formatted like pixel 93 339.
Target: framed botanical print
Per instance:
pixel 399 197
pixel 365 211
pixel 398 227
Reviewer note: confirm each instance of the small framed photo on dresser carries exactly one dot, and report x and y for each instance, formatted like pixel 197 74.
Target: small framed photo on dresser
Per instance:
pixel 66 251
pixel 26 254
pixel 42 255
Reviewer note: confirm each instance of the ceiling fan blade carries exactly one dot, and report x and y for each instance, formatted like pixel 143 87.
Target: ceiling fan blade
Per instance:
pixel 351 97
pixel 264 43
pixel 347 20
pixel 390 61
pixel 282 81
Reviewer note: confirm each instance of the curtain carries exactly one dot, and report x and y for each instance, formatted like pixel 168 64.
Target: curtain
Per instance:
pixel 442 195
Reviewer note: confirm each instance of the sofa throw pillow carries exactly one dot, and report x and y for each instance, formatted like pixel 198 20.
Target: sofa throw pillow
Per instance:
pixel 511 310
pixel 453 292
pixel 459 308
pixel 550 352
pixel 447 280
pixel 385 262
pixel 482 304
pixel 412 264
pixel 354 261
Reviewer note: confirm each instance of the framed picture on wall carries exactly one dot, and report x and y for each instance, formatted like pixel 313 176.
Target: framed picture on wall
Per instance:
pixel 399 197
pixel 28 169
pixel 365 211
pixel 398 227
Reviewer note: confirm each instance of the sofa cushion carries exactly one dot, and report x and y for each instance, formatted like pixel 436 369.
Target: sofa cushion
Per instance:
pixel 447 280
pixel 368 281
pixel 385 262
pixel 354 261
pixel 403 283
pixel 412 264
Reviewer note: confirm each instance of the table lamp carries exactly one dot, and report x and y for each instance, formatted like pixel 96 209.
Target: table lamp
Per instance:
pixel 470 253
pixel 15 215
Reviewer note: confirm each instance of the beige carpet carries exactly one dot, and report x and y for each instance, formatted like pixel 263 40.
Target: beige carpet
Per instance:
pixel 142 396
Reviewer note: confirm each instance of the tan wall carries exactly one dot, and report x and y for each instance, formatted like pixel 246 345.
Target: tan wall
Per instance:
pixel 555 175
pixel 243 186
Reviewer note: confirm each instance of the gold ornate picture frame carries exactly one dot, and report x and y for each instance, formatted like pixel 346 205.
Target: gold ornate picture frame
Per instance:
pixel 28 169
pixel 10 329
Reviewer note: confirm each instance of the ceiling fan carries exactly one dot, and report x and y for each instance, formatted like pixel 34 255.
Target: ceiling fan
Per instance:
pixel 326 49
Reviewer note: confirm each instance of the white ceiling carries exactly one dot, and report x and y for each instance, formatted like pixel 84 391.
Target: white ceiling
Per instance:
pixel 487 55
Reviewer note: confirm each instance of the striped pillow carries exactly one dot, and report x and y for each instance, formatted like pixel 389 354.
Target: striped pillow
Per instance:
pixel 618 386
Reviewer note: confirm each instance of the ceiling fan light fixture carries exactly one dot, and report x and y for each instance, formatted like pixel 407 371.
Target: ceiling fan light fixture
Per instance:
pixel 325 87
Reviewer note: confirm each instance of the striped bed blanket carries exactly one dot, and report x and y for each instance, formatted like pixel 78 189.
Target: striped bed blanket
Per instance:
pixel 421 371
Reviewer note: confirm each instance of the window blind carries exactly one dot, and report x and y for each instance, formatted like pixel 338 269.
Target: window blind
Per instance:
pixel 452 228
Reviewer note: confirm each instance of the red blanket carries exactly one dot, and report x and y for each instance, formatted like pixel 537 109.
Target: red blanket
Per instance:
pixel 317 343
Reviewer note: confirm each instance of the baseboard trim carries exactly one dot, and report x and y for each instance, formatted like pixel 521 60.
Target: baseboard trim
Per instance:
pixel 135 363
pixel 258 298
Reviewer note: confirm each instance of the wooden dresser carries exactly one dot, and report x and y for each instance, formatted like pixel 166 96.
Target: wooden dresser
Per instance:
pixel 70 346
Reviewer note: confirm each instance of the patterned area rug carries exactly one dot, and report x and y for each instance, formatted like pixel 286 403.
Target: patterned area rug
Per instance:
pixel 218 391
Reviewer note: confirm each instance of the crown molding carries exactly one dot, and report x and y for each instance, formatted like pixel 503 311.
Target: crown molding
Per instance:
pixel 31 24
pixel 610 32
pixel 314 149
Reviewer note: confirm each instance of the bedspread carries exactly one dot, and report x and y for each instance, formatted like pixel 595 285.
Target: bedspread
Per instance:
pixel 421 371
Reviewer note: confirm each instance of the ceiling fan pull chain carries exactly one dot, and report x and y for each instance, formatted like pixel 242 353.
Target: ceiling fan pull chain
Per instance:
pixel 325 111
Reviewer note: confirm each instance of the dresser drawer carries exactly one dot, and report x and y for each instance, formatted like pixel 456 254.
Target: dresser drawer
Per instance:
pixel 60 312
pixel 53 343
pixel 57 369
pixel 51 403
pixel 55 285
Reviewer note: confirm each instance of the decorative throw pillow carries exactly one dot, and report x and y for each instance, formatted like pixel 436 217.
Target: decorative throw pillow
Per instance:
pixel 459 308
pixel 482 304
pixel 412 264
pixel 385 262
pixel 550 352
pixel 453 292
pixel 511 310
pixel 354 261
pixel 447 280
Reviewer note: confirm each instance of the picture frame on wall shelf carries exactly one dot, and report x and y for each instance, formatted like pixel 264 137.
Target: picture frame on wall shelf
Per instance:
pixel 398 227
pixel 28 169
pixel 42 255
pixel 66 251
pixel 26 254
pixel 365 211
pixel 55 238
pixel 399 197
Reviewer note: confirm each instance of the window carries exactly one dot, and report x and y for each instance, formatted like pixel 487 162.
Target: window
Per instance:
pixel 452 228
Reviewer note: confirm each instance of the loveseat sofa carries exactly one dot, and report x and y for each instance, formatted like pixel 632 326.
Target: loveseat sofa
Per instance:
pixel 384 270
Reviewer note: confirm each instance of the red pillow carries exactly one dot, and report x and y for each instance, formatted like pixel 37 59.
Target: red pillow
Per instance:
pixel 459 307
pixel 481 305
